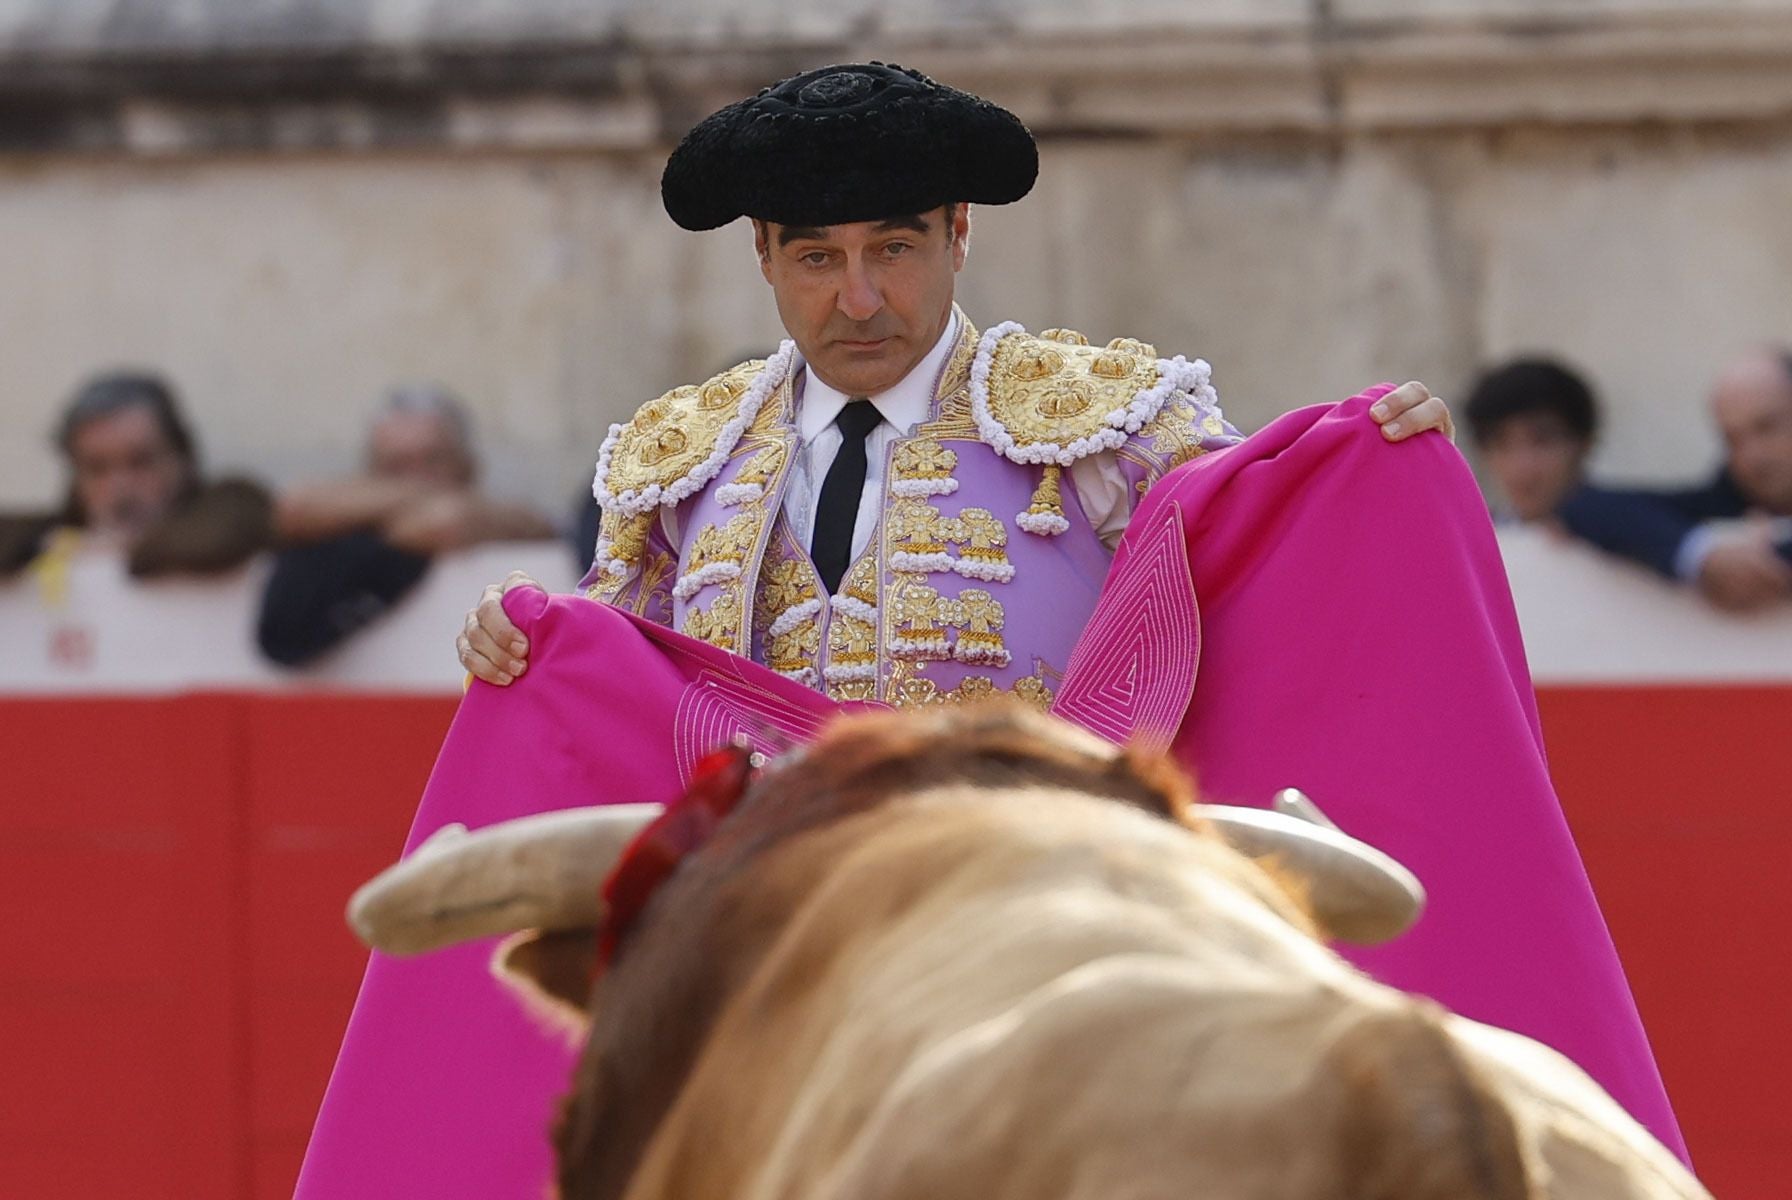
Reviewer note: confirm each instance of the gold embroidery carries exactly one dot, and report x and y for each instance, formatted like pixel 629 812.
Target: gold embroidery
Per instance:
pixel 924 459
pixel 918 690
pixel 785 584
pixel 1073 400
pixel 1126 345
pixel 919 616
pixel 1034 691
pixel 624 539
pixel 914 691
pixel 979 617
pixel 1046 511
pixel 670 437
pixel 656 582
pixel 952 410
pixel 917 527
pixel 1175 434
pixel 972 689
pixel 982 538
pixel 763 467
pixel 794 649
pixel 727 544
pixel 852 643
pixel 954 419
pixel 778 411
pixel 860 581
pixel 719 624
pixel 1065 398
pixel 652 589
pixel 1035 361
pixel 1112 365
pixel 663 445
pixel 721 393
pixel 787 610
pixel 958 367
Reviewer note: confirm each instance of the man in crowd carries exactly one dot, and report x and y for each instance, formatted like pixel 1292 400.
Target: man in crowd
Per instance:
pixel 135 486
pixel 1533 421
pixel 1731 537
pixel 358 545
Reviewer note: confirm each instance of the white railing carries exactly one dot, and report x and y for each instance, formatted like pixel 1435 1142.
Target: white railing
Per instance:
pixel 1586 619
pixel 93 629
pixel 1590 618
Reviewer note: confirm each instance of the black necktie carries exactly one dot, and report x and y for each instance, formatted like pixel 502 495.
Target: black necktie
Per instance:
pixel 838 509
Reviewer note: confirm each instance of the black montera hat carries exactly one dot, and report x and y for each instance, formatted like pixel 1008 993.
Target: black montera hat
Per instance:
pixel 859 142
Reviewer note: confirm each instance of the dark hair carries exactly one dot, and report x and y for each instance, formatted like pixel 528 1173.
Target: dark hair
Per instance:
pixel 114 392
pixel 104 395
pixel 1531 385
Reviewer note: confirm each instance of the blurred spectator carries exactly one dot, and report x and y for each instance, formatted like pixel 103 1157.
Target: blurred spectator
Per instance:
pixel 135 484
pixel 1533 421
pixel 585 520
pixel 356 546
pixel 1731 537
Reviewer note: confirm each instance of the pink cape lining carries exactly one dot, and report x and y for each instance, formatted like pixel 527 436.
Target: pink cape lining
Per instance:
pixel 1347 590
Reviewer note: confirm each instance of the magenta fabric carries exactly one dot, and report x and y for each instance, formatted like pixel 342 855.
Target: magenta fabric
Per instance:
pixel 444 1087
pixel 1354 637
pixel 1358 641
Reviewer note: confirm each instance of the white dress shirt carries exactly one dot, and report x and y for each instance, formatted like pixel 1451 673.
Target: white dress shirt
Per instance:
pixel 1101 486
pixel 903 407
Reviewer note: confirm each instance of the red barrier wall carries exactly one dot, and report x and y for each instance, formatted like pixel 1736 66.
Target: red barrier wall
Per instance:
pixel 1678 797
pixel 175 973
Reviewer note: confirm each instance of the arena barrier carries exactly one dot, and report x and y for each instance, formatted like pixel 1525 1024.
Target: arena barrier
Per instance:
pixel 182 824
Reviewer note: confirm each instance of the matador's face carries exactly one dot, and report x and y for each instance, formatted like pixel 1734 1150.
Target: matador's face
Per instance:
pixel 865 301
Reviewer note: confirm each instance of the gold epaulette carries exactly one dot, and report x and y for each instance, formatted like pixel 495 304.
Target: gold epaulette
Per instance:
pixel 676 444
pixel 1054 398
pixel 670 450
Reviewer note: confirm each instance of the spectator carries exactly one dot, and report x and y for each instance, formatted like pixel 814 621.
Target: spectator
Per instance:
pixel 587 516
pixel 1533 421
pixel 1731 537
pixel 135 484
pixel 356 546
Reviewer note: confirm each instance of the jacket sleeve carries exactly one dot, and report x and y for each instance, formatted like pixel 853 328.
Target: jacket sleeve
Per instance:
pixel 219 529
pixel 321 593
pixel 1645 527
pixel 22 539
pixel 645 587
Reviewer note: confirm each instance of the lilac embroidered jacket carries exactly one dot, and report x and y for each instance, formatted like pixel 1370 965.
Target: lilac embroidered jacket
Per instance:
pixel 983 567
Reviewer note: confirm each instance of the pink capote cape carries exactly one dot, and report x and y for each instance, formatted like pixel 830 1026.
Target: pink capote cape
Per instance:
pixel 1355 638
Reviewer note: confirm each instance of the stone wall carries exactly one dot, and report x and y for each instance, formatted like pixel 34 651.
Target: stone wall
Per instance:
pixel 287 206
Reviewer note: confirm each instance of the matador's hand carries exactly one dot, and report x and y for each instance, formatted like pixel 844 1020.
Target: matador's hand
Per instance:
pixel 1411 409
pixel 490 646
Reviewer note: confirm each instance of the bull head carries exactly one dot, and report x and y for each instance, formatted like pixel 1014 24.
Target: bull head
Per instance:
pixel 546 873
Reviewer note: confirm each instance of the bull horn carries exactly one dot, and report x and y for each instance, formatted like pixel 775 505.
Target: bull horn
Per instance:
pixel 539 872
pixel 1357 893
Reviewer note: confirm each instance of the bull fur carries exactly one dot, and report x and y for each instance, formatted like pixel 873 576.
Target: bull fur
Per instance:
pixel 979 954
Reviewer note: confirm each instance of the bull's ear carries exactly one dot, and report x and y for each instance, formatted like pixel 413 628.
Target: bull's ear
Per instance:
pixel 552 970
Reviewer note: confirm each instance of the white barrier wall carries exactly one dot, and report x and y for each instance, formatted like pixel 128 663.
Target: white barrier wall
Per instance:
pixel 1590 618
pixel 97 630
pixel 1586 619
